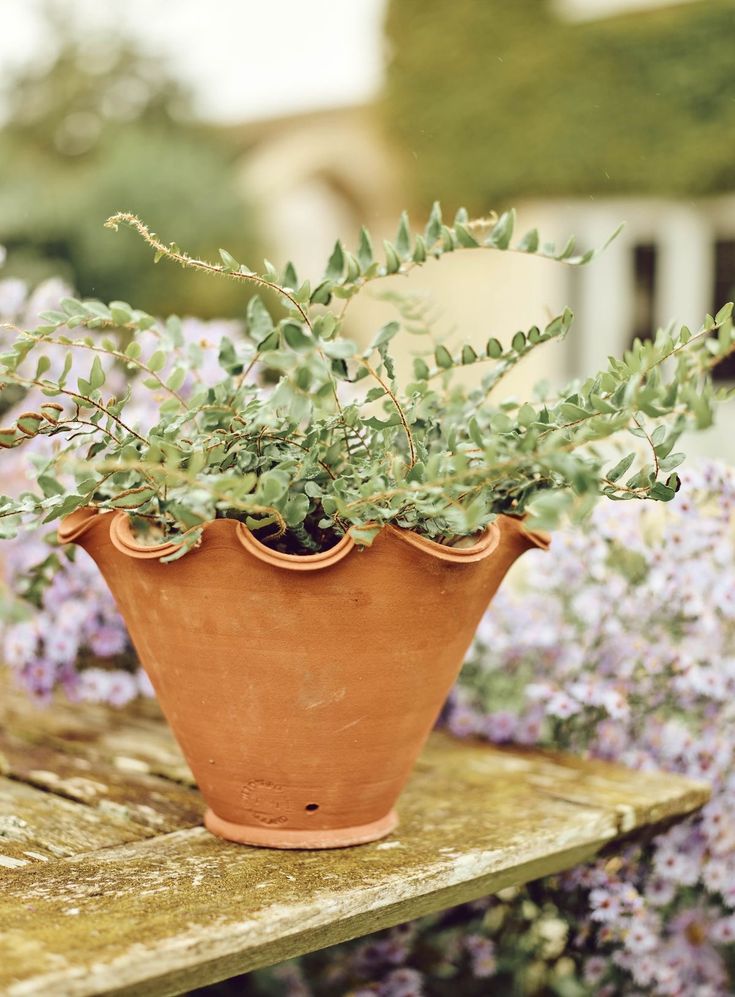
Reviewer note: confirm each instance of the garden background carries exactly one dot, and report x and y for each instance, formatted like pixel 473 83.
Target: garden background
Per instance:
pixel 274 131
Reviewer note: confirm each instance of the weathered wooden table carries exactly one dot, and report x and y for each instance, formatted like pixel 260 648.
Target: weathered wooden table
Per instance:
pixel 111 886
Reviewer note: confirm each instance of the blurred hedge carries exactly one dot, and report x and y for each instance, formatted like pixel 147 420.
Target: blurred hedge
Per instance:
pixel 105 128
pixel 495 100
pixel 52 219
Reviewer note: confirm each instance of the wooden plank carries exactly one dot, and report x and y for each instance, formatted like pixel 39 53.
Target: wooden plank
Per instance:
pixel 36 826
pixel 134 739
pixel 181 910
pixel 110 783
pixel 636 797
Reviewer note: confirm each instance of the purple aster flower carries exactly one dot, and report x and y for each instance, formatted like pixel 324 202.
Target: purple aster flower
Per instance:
pixel 482 955
pixel 61 647
pixel 108 640
pixel 13 293
pixel 500 726
pixel 39 675
pixel 642 936
pixel 605 905
pixel 20 644
pixel 404 982
pixel 464 721
pixel 122 688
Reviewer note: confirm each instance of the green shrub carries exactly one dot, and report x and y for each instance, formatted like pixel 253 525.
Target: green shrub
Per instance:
pixel 342 443
pixel 495 100
pixel 106 125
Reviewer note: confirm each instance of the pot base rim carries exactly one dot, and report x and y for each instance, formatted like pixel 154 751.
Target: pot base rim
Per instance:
pixel 339 837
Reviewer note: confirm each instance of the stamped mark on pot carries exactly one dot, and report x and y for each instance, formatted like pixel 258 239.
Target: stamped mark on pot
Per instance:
pixel 269 819
pixel 264 800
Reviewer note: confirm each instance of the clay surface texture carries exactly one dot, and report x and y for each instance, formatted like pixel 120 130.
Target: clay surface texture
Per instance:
pixel 301 689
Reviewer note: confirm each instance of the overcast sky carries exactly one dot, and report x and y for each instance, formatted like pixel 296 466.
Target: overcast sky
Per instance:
pixel 245 59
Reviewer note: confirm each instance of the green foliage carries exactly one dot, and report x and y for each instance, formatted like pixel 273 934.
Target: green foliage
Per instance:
pixel 105 125
pixel 495 100
pixel 338 444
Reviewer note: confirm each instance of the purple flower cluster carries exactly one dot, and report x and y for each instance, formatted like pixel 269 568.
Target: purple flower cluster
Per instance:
pixel 618 643
pixel 622 642
pixel 68 634
pixel 74 638
pixel 21 305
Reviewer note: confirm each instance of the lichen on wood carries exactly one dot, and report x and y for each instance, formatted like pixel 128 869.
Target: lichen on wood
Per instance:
pixel 99 898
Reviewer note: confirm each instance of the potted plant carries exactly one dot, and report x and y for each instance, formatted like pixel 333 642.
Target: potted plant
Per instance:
pixel 302 559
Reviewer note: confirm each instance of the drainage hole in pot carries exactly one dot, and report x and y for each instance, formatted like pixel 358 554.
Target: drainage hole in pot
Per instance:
pixel 311 807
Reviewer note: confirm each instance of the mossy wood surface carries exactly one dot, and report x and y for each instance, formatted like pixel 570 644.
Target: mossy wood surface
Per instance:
pixel 111 886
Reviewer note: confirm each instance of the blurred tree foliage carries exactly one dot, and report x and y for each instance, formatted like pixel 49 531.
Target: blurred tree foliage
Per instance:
pixel 105 127
pixel 497 99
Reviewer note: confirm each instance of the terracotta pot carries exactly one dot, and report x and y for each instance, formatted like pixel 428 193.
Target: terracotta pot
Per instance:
pixel 301 689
